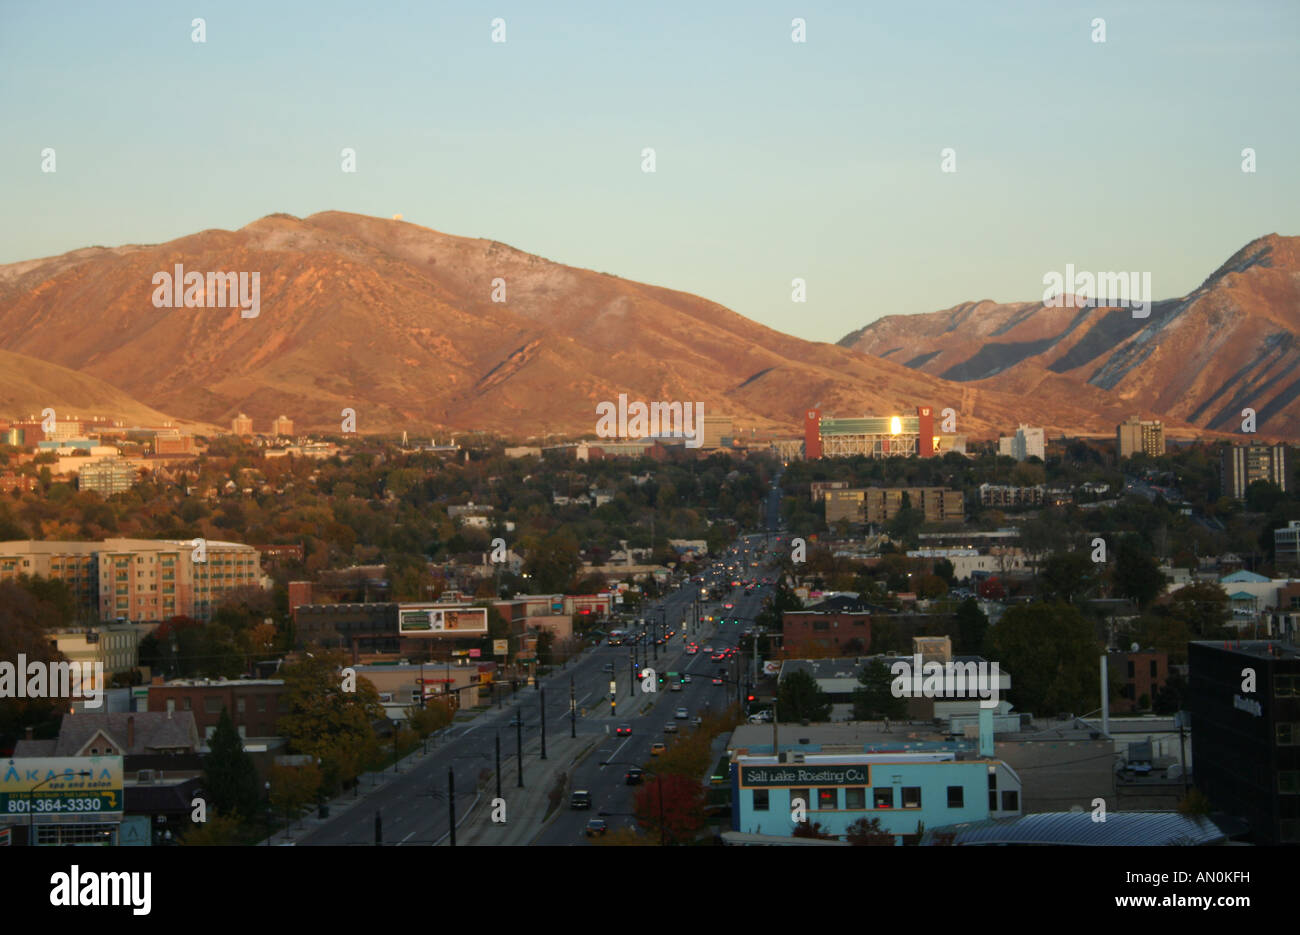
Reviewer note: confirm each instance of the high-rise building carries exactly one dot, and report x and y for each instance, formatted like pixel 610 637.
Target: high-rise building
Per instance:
pixel 1247 734
pixel 107 476
pixel 1242 465
pixel 141 580
pixel 1028 442
pixel 241 425
pixel 1135 435
pixel 282 426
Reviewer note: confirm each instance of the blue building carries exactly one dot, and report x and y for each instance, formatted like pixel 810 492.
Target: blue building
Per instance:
pixel 910 792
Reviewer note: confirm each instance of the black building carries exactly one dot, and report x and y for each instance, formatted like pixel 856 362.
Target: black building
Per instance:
pixel 1247 744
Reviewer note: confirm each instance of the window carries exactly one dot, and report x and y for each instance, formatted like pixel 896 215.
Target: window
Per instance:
pixel 911 797
pixel 882 797
pixel 956 796
pixel 1153 668
pixel 1131 667
pixel 212 704
pixel 185 703
pixel 828 798
pixel 1010 801
pixel 239 705
pixel 800 795
pixel 760 800
pixel 855 798
pixel 261 703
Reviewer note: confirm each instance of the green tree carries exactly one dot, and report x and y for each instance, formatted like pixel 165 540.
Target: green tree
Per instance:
pixel 868 832
pixel 229 776
pixel 800 697
pixel 324 718
pixel 1051 652
pixel 972 626
pixel 1067 577
pixel 875 699
pixel 1135 573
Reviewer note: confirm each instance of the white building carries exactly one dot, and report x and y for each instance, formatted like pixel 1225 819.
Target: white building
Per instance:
pixel 1028 442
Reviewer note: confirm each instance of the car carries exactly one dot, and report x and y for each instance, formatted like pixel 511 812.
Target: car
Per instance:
pixel 717 681
pixel 708 649
pixel 760 717
pixel 686 679
pixel 595 826
pixel 670 728
pixel 634 776
pixel 657 748
pixel 717 657
pixel 623 730
pixel 580 798
pixel 675 687
pixel 682 714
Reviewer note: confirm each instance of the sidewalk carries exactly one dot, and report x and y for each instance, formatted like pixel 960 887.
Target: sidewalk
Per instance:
pixel 525 808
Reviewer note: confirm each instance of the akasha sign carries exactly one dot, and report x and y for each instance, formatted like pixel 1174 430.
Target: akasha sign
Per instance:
pixel 801 775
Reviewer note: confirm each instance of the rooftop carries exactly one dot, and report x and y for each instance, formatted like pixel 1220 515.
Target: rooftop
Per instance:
pixel 1079 829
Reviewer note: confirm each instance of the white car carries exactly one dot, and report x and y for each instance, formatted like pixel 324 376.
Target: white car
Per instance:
pixel 682 714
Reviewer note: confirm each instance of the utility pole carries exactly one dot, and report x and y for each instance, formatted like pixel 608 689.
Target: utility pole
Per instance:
pixel 542 712
pixel 519 745
pixel 498 746
pixel 573 711
pixel 451 803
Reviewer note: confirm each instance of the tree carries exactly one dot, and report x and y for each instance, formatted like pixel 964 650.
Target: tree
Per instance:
pixel 1051 652
pixel 434 716
pixel 322 717
pixel 1204 605
pixel 868 832
pixel 875 699
pixel 218 830
pixel 1135 573
pixel 811 829
pixel 682 807
pixel 229 776
pixel 972 625
pixel 1067 576
pixel 292 787
pixel 800 697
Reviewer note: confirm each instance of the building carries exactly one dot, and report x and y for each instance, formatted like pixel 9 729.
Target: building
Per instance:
pixel 717 432
pixel 174 443
pixel 282 426
pixel 241 425
pixel 1248 742
pixel 807 631
pixel 1242 465
pixel 1005 495
pixel 1134 435
pixel 1028 442
pixel 873 436
pixel 838 777
pixel 114 646
pixel 107 476
pixel 254 704
pixel 1140 675
pixel 1286 544
pixel 881 504
pixel 387 630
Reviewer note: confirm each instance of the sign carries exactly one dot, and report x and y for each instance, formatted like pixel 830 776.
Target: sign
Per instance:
pixel 500 647
pixel 434 620
pixel 797 774
pixel 50 786
pixel 475 653
pixel 135 831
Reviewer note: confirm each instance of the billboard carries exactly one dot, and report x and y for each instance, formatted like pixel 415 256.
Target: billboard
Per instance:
pixel 440 620
pixel 52 787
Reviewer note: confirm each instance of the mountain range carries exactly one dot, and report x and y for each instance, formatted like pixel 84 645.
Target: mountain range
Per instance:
pixel 428 332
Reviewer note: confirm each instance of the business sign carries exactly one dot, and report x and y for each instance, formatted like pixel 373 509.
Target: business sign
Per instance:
pixel 500 647
pixel 440 620
pixel 797 774
pixel 475 653
pixel 51 786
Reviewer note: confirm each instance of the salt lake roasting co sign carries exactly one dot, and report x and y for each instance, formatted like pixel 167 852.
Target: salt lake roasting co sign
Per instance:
pixel 805 775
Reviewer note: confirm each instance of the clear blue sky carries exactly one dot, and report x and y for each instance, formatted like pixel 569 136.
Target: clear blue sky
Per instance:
pixel 774 159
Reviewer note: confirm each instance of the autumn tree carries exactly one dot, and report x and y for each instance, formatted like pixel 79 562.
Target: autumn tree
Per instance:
pixel 322 716
pixel 293 787
pixel 671 806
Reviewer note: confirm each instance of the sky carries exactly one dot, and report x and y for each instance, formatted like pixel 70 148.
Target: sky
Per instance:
pixel 820 160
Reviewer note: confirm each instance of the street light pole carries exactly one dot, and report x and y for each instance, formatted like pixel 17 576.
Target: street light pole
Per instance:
pixel 542 713
pixel 519 744
pixel 451 803
pixel 573 711
pixel 498 746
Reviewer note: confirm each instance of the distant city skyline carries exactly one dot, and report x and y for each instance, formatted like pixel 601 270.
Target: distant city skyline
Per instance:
pixel 775 160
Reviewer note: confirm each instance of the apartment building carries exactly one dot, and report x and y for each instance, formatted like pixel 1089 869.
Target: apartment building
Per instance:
pixel 1242 465
pixel 1135 435
pixel 881 504
pixel 1028 442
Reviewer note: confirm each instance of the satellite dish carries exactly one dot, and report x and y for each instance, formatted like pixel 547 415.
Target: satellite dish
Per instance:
pixel 1134 648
